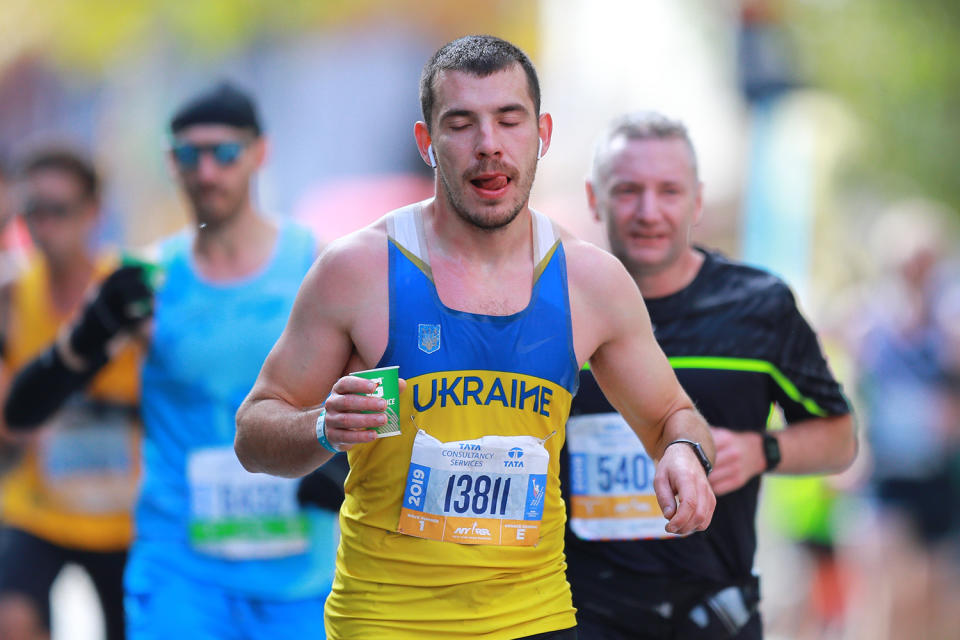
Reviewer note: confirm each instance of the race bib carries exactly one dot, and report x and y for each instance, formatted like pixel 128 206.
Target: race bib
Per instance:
pixel 484 491
pixel 87 458
pixel 611 481
pixel 241 515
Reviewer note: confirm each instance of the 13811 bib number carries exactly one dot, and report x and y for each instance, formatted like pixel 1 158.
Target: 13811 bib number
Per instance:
pixel 479 497
pixel 485 491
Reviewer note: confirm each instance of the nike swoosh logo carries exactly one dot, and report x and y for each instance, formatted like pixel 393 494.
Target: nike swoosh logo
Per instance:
pixel 527 348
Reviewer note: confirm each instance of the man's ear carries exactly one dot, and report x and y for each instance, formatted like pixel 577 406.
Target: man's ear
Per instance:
pixel 592 199
pixel 545 132
pixel 259 148
pixel 424 143
pixel 698 213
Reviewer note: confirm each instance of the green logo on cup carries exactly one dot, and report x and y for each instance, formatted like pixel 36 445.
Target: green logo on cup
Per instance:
pixel 388 380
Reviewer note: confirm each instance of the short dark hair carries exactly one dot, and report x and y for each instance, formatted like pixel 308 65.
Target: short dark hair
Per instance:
pixel 66 159
pixel 223 103
pixel 479 55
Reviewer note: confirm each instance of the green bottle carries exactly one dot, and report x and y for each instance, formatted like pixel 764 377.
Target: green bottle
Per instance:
pixel 153 272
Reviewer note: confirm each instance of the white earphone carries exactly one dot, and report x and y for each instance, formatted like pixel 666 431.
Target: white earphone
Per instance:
pixel 540 148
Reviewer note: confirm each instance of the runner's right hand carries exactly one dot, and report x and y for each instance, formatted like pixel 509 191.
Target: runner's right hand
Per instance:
pixel 346 424
pixel 123 301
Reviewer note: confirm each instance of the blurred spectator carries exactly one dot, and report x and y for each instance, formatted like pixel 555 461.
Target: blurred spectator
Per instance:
pixel 8 270
pixel 908 371
pixel 10 252
pixel 69 496
pixel 216 547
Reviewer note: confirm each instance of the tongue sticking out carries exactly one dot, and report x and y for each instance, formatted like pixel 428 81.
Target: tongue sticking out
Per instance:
pixel 491 184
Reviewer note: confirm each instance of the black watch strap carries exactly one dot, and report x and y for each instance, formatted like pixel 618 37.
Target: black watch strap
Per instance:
pixel 771 451
pixel 701 455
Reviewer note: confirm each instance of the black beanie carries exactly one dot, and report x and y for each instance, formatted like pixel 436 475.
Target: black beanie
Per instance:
pixel 222 104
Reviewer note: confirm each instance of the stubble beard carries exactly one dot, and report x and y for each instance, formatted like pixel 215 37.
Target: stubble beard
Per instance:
pixel 478 219
pixel 212 215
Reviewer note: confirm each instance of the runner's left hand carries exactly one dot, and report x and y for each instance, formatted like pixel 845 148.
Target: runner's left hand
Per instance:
pixel 739 458
pixel 683 490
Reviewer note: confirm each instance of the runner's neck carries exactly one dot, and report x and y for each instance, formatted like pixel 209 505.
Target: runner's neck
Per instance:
pixel 673 278
pixel 451 237
pixel 68 280
pixel 236 249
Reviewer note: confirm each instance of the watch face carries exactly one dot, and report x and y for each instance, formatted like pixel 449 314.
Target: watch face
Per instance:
pixel 704 460
pixel 771 450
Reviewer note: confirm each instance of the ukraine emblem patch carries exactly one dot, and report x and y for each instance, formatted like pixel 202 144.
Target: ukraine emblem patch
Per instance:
pixel 428 337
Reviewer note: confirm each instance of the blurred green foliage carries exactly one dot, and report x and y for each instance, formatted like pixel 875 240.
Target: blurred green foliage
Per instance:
pixel 91 36
pixel 897 65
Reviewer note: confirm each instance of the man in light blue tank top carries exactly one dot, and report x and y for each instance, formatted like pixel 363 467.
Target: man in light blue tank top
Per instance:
pixel 219 552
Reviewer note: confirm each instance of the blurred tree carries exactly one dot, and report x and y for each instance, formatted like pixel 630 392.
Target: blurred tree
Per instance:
pixel 895 64
pixel 91 35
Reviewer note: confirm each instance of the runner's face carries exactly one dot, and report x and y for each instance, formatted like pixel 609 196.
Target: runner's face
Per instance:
pixel 59 216
pixel 217 190
pixel 485 137
pixel 648 197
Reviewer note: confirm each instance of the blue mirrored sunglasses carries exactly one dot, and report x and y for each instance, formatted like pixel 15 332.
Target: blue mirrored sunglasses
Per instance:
pixel 188 155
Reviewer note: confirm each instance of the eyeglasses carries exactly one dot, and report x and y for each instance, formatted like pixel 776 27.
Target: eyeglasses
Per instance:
pixel 36 209
pixel 187 155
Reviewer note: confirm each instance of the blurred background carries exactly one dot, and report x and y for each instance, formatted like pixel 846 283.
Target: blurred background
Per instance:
pixel 827 132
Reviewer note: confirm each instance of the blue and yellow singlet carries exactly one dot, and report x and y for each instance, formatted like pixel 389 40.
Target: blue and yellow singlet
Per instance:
pixel 472 481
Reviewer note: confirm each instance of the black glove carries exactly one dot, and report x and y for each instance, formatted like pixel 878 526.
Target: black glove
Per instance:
pixel 123 301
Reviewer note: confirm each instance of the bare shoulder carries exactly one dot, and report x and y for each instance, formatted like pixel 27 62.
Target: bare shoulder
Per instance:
pixel 355 257
pixel 593 272
pixel 604 299
pixel 347 280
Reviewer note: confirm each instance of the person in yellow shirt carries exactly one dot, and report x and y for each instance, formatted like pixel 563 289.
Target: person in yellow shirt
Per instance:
pixel 69 496
pixel 454 527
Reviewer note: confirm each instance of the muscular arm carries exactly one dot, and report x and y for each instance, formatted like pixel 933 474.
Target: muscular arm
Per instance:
pixel 330 331
pixel 817 445
pixel 612 329
pixel 820 438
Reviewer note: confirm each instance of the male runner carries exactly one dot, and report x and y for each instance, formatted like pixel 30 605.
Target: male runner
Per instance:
pixel 454 528
pixel 219 553
pixel 738 344
pixel 68 499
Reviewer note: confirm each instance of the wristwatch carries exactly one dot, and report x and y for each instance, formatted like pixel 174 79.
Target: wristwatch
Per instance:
pixel 771 451
pixel 701 455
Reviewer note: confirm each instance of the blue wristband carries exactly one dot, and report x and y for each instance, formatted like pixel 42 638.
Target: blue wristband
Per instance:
pixel 322 432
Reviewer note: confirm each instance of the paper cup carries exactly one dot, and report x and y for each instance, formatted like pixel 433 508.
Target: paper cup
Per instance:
pixel 389 389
